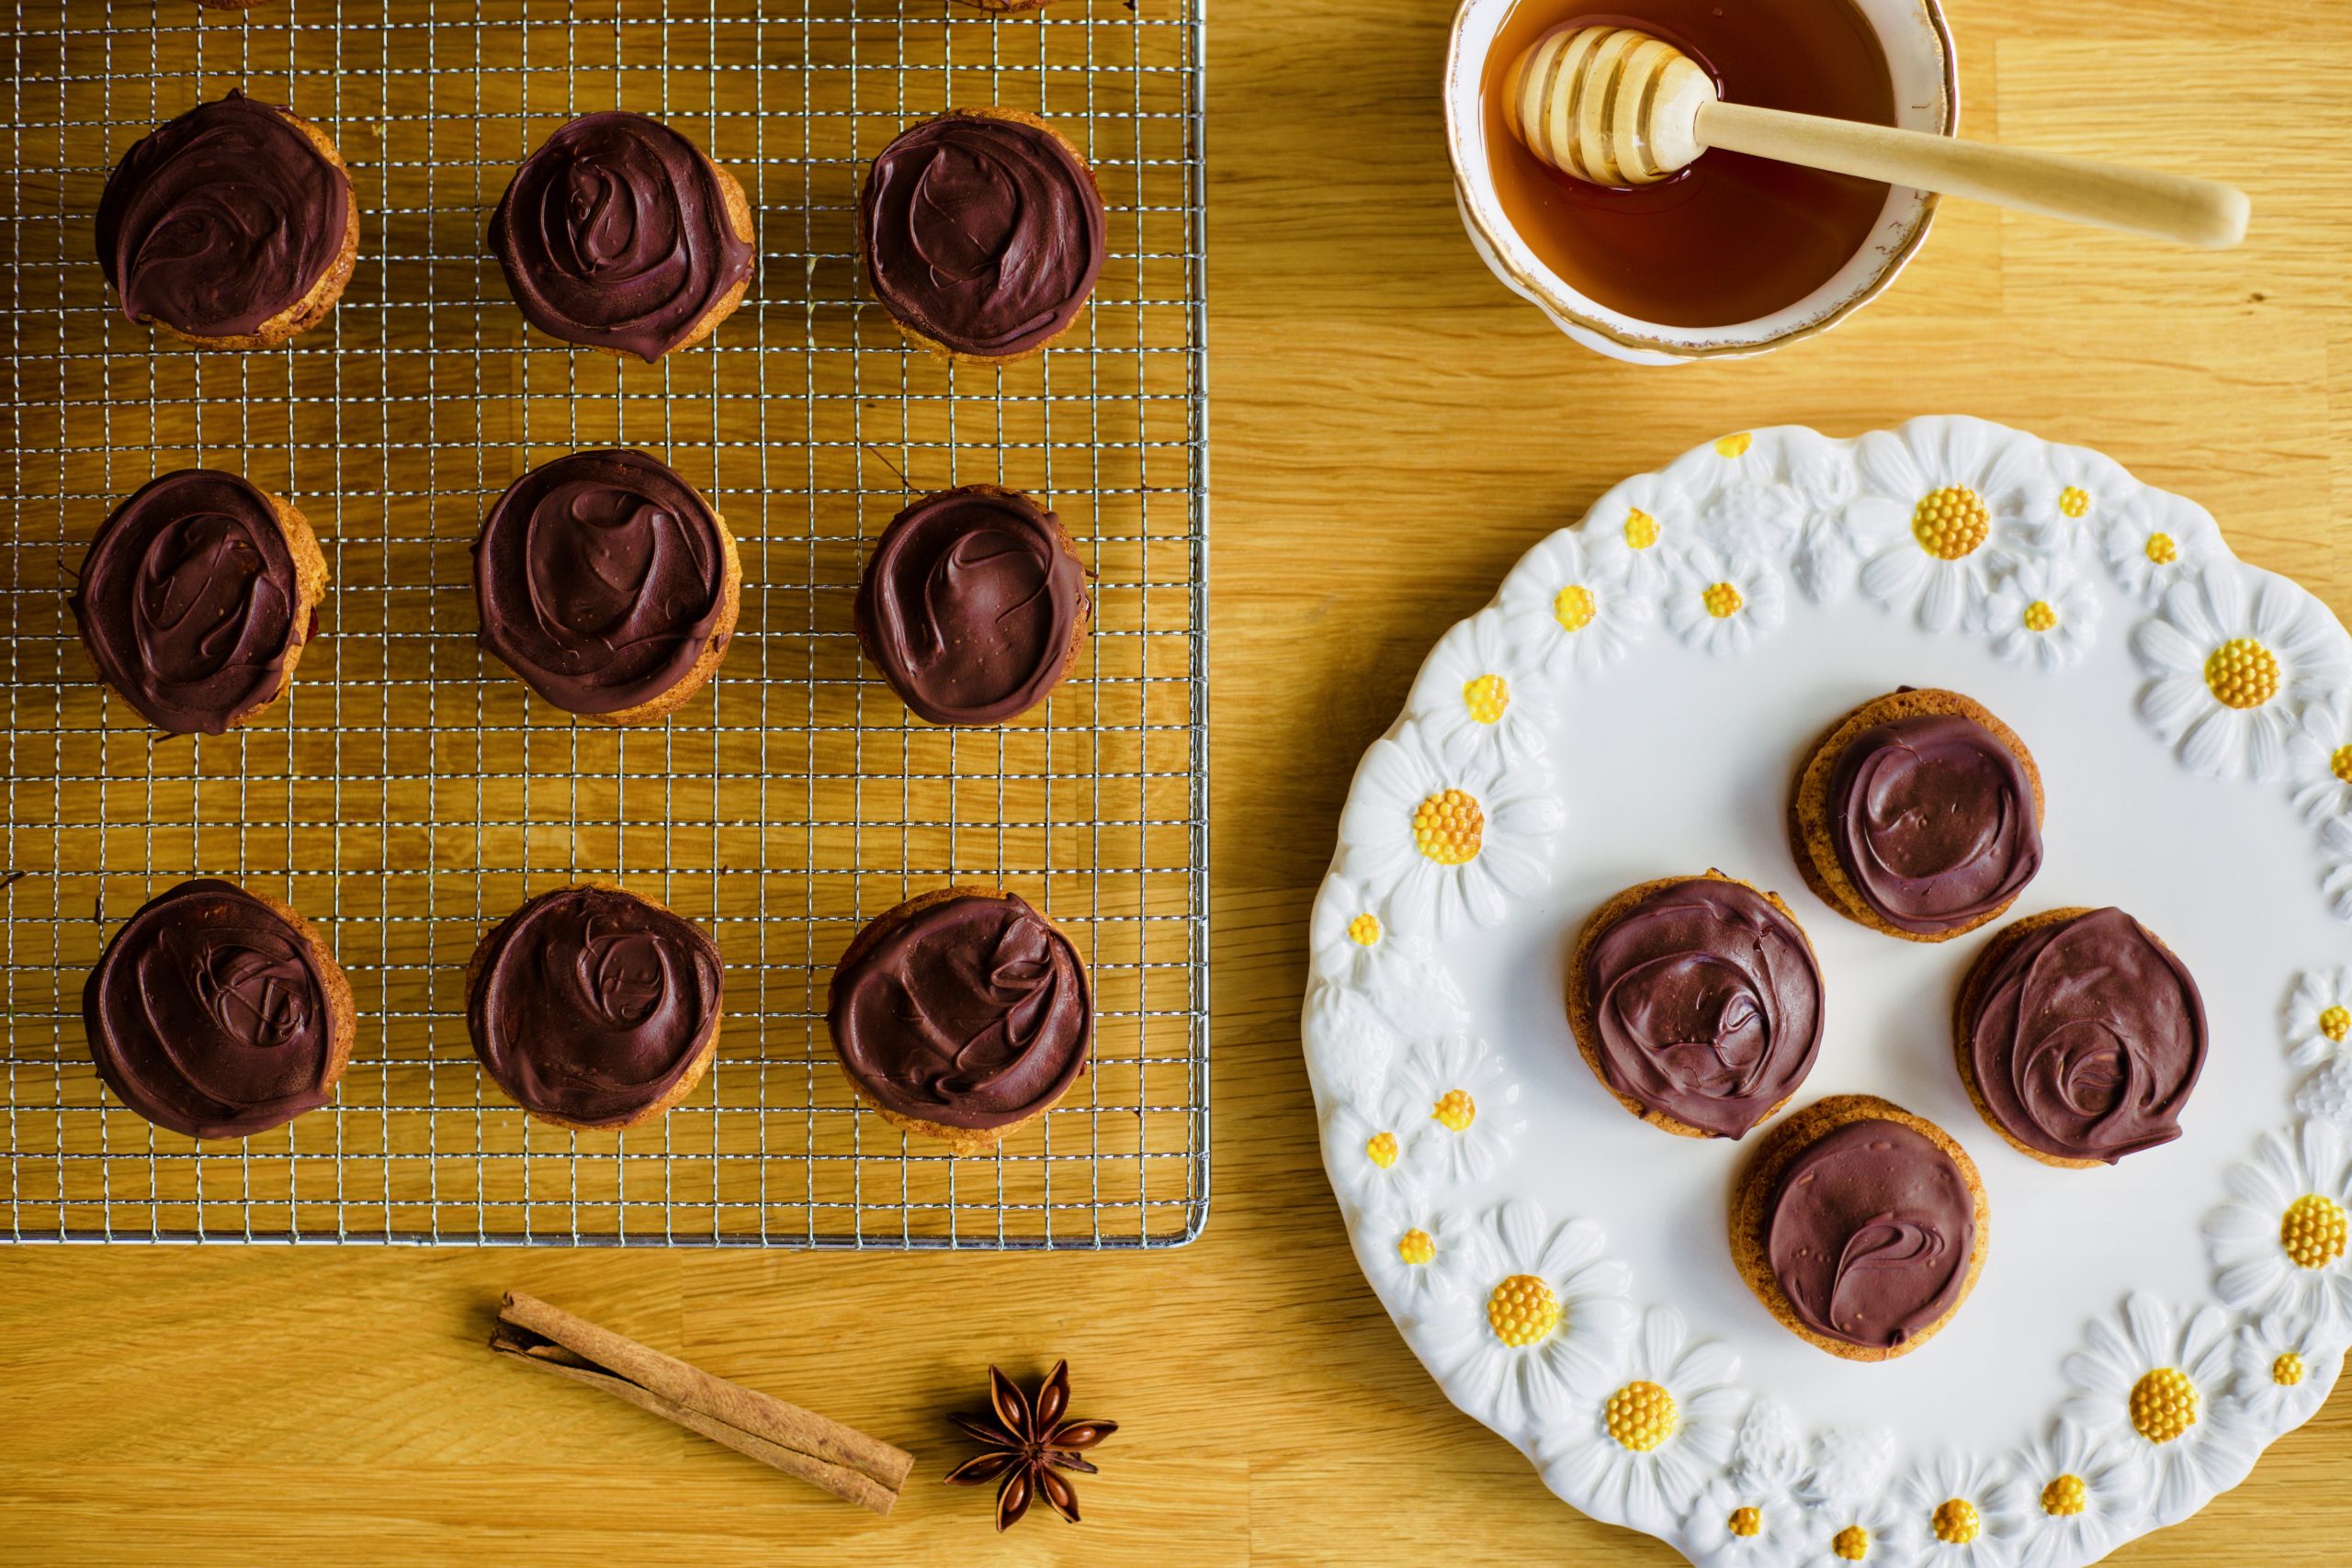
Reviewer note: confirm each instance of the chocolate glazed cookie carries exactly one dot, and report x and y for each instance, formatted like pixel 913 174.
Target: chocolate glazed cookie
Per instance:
pixel 594 1007
pixel 218 1013
pixel 195 598
pixel 2079 1036
pixel 608 584
pixel 983 233
pixel 1697 1002
pixel 961 1015
pixel 618 234
pixel 233 226
pixel 973 605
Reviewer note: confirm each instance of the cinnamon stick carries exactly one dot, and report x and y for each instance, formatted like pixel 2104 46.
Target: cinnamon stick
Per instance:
pixel 841 1460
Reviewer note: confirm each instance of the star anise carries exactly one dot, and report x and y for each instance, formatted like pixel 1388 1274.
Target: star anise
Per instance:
pixel 1029 1445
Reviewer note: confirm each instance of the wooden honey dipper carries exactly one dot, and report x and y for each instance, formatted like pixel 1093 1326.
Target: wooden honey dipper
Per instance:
pixel 1616 107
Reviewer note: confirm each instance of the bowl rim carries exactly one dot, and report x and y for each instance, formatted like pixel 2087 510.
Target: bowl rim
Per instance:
pixel 1570 311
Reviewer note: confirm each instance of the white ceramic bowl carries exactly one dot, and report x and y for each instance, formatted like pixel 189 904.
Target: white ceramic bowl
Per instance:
pixel 1926 96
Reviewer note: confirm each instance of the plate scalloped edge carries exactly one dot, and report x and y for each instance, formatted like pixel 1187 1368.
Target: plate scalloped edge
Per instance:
pixel 1524 1318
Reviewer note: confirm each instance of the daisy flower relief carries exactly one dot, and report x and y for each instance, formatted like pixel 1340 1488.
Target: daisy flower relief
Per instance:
pixel 1543 1326
pixel 1441 843
pixel 2319 1018
pixel 2076 1497
pixel 1721 607
pixel 1751 1514
pixel 2045 613
pixel 1959 1512
pixel 2278 1246
pixel 1418 1254
pixel 1565 613
pixel 1639 1452
pixel 2157 542
pixel 1745 506
pixel 1470 1121
pixel 1853 1518
pixel 2318 763
pixel 1349 945
pixel 1364 1148
pixel 2231 666
pixel 1639 530
pixel 1942 503
pixel 2154 1384
pixel 2282 1372
pixel 2067 515
pixel 1473 702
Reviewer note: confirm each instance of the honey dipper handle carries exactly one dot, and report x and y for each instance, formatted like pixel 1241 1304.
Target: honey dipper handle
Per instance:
pixel 2169 206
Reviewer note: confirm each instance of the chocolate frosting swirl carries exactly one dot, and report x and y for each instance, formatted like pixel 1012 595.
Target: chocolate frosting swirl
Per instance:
pixel 982 233
pixel 2086 1037
pixel 615 234
pixel 971 606
pixel 1707 1004
pixel 189 601
pixel 1870 1232
pixel 600 579
pixel 971 1011
pixel 590 1004
pixel 222 219
pixel 1934 821
pixel 209 1014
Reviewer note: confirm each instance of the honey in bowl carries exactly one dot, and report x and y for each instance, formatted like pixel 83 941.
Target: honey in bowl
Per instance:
pixel 1732 238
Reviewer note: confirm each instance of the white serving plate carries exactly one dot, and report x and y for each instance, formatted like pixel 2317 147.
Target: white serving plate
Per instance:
pixel 2225 830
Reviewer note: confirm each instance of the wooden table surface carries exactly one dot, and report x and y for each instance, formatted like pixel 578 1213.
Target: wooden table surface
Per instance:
pixel 1391 430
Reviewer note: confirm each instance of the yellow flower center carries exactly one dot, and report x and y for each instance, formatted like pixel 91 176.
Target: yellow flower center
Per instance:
pixel 2311 1231
pixel 2163 1405
pixel 1745 1523
pixel 1572 607
pixel 1952 523
pixel 2039 616
pixel 1417 1246
pixel 2064 1498
pixel 2160 549
pixel 1523 1310
pixel 2335 1022
pixel 1956 1521
pixel 1487 697
pixel 1641 1416
pixel 2075 501
pixel 1853 1543
pixel 2339 762
pixel 1365 929
pixel 2241 673
pixel 1735 445
pixel 2287 1370
pixel 1641 529
pixel 1721 600
pixel 1448 826
pixel 1455 1110
pixel 1382 1149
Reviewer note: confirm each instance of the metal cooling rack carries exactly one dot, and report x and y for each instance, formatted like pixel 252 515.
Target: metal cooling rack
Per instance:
pixel 407 792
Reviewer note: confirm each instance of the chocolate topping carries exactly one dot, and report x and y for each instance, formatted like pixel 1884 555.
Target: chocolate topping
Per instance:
pixel 615 234
pixel 208 1014
pixel 1934 820
pixel 1870 1232
pixel 1707 1003
pixel 189 601
pixel 971 606
pixel 590 1005
pixel 971 1012
pixel 599 578
pixel 982 233
pixel 219 220
pixel 2086 1036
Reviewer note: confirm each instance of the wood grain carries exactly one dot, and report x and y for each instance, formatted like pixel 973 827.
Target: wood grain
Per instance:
pixel 1391 431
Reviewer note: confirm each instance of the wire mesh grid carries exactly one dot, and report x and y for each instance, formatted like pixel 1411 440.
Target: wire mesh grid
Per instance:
pixel 407 794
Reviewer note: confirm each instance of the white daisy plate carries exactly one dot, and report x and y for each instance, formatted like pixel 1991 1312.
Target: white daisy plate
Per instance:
pixel 1633 706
